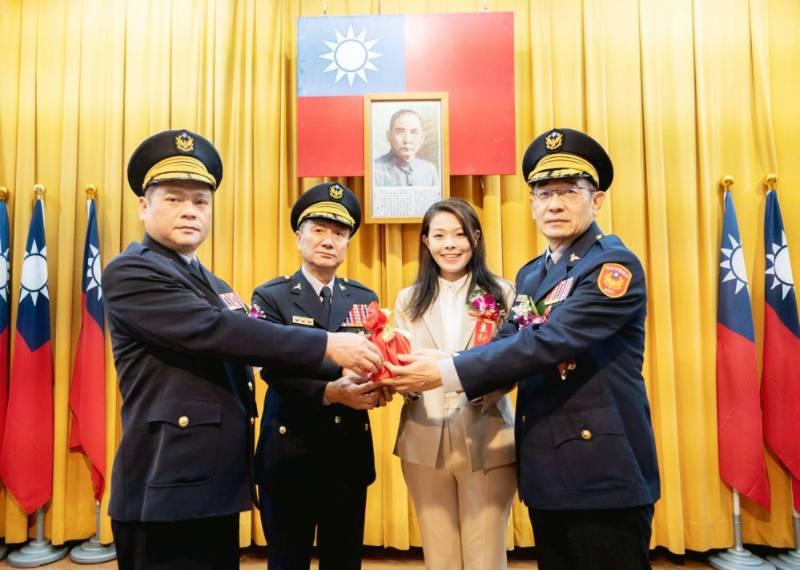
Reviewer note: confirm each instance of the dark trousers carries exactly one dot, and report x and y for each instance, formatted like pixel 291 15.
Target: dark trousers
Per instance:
pixel 290 515
pixel 197 544
pixel 593 539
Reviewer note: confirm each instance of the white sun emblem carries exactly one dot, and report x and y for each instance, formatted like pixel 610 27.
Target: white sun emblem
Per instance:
pixel 734 263
pixel 34 274
pixel 94 272
pixel 351 55
pixel 781 269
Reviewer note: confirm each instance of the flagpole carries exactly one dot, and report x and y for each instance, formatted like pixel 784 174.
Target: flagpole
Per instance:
pixel 92 551
pixel 38 551
pixel 789 560
pixel 736 557
pixel 4 195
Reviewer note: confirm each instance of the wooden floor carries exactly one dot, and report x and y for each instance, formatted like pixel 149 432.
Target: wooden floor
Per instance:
pixel 379 559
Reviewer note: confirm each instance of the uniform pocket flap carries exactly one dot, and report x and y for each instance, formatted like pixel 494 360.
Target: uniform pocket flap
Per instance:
pixel 586 425
pixel 186 413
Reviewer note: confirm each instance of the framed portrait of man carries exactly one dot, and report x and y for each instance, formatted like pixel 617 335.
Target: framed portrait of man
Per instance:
pixel 406 155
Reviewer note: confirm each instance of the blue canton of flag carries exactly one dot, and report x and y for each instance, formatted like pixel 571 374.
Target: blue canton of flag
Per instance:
pixel 92 268
pixel 350 56
pixel 33 316
pixel 779 292
pixel 5 273
pixel 734 310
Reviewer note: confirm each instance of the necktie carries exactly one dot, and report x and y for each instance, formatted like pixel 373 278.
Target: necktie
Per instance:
pixel 548 263
pixel 194 267
pixel 325 297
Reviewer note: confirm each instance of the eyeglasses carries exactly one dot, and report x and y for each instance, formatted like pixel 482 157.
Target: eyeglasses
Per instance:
pixel 569 195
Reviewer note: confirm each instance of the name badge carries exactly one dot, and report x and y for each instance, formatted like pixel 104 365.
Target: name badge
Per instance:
pixel 233 301
pixel 559 292
pixel 298 320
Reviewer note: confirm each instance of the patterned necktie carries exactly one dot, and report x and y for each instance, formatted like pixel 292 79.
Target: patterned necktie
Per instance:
pixel 325 297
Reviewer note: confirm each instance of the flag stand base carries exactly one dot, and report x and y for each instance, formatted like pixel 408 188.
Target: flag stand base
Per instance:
pixel 92 552
pixel 786 561
pixel 738 559
pixel 36 553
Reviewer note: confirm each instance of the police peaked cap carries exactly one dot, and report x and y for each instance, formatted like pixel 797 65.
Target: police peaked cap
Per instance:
pixel 329 201
pixel 174 155
pixel 565 153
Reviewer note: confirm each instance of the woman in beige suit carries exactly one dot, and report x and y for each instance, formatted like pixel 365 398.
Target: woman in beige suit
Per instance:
pixel 457 456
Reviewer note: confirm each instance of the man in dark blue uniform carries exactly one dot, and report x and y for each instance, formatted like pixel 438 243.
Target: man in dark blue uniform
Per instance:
pixel 574 345
pixel 182 341
pixel 314 458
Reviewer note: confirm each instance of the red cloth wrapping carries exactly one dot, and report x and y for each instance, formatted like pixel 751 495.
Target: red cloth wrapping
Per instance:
pixel 389 342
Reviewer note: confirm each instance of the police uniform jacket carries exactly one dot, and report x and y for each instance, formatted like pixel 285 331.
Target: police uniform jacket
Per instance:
pixel 302 439
pixel 181 353
pixel 586 441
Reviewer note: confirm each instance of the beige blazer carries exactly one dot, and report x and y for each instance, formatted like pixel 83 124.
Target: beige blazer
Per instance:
pixel 488 423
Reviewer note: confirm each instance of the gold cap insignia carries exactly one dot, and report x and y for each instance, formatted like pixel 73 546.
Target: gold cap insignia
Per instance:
pixel 554 141
pixel 336 192
pixel 184 142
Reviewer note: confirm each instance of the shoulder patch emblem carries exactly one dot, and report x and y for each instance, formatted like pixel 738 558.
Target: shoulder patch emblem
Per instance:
pixel 613 280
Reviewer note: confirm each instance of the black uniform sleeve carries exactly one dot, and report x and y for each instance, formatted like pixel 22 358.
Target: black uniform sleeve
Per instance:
pixel 585 318
pixel 148 303
pixel 288 379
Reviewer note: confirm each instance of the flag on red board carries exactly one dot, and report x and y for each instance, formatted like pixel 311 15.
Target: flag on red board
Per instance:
pixel 780 383
pixel 87 397
pixel 5 278
pixel 741 457
pixel 26 458
pixel 468 56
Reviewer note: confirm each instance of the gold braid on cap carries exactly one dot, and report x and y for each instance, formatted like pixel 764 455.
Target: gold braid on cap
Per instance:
pixel 563 165
pixel 179 168
pixel 330 210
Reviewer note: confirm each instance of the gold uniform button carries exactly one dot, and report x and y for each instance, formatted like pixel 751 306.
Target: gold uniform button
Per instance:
pixel 183 421
pixel 252 421
pixel 337 419
pixel 523 419
pixel 282 430
pixel 586 434
pixel 366 427
pixel 250 386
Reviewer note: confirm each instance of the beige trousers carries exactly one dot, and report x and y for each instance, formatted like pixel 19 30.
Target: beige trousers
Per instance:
pixel 462 514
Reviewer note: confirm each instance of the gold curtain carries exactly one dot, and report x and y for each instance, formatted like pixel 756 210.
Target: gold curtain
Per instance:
pixel 680 92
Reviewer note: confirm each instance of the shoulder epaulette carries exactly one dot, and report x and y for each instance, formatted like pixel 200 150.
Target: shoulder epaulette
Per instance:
pixel 276 281
pixel 353 283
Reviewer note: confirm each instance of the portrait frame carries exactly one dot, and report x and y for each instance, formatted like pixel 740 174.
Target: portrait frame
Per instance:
pixel 398 190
